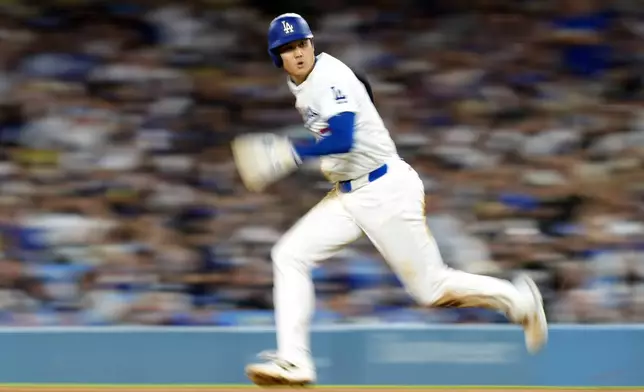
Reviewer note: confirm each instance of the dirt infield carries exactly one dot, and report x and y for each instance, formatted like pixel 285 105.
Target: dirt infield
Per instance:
pixel 70 388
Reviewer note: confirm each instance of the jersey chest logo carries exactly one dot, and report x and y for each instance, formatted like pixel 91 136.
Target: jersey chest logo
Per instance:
pixel 310 116
pixel 312 121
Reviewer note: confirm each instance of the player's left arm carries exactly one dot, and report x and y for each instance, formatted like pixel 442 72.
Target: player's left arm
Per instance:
pixel 339 141
pixel 338 106
pixel 262 159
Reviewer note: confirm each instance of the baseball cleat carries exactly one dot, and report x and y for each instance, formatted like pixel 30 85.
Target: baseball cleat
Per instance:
pixel 276 372
pixel 534 324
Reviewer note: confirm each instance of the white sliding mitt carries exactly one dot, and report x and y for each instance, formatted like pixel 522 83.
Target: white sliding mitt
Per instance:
pixel 263 158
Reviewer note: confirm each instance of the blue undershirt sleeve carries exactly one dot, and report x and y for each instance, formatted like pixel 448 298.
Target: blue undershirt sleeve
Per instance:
pixel 339 141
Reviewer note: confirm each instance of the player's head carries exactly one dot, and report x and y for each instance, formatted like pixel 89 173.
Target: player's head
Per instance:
pixel 290 45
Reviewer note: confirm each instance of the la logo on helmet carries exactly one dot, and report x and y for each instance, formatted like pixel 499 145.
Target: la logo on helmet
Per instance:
pixel 288 29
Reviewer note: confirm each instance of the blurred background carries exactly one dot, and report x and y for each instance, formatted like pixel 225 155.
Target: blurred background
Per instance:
pixel 119 202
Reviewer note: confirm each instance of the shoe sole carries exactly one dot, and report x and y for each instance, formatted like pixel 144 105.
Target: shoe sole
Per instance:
pixel 539 320
pixel 268 381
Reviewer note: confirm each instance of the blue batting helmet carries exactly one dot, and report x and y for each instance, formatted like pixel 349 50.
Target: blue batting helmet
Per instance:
pixel 284 29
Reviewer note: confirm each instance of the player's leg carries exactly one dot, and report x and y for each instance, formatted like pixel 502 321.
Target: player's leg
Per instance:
pixel 391 213
pixel 317 236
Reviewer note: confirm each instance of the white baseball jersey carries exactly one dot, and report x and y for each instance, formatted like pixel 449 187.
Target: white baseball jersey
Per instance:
pixel 330 89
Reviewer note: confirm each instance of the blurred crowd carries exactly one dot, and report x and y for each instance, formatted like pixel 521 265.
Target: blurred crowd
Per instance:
pixel 119 202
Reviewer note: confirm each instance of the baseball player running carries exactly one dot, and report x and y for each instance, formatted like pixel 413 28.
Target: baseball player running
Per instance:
pixel 376 193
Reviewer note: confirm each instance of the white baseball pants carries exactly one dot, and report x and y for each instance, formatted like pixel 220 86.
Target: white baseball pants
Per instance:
pixel 390 211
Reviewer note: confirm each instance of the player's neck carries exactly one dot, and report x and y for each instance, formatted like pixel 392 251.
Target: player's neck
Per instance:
pixel 298 80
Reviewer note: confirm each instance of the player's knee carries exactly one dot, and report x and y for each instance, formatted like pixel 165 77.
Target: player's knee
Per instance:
pixel 427 297
pixel 287 256
pixel 279 253
pixel 427 292
pixel 440 292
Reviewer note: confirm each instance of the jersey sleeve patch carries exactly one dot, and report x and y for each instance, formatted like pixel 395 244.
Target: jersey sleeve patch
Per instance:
pixel 337 98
